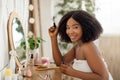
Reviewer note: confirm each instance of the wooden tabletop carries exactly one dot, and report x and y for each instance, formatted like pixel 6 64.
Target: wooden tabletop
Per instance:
pixel 46 73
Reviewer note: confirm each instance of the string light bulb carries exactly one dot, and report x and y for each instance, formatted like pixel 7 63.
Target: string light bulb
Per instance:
pixel 32 20
pixel 31 7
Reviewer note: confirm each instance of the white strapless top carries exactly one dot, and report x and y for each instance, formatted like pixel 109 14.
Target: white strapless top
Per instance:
pixel 83 66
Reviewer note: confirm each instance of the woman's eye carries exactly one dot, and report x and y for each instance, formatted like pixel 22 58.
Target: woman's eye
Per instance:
pixel 75 27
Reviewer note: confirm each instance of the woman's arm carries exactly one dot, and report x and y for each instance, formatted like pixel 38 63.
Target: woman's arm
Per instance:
pixel 99 71
pixel 68 57
pixel 56 52
pixel 53 32
pixel 94 60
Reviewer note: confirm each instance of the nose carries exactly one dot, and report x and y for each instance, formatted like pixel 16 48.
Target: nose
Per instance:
pixel 70 31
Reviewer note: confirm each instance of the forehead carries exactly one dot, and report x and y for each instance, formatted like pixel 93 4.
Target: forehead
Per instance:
pixel 71 21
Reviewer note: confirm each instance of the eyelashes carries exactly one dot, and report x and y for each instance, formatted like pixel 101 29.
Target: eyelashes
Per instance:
pixel 73 27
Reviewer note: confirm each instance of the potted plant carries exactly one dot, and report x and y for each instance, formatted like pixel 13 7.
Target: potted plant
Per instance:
pixel 33 46
pixel 33 41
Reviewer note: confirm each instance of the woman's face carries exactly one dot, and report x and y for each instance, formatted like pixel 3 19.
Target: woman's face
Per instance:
pixel 74 30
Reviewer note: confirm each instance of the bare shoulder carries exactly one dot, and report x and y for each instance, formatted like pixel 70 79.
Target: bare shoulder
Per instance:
pixel 87 46
pixel 90 49
pixel 92 55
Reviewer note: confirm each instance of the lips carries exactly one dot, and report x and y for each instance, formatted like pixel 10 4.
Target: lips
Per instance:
pixel 72 38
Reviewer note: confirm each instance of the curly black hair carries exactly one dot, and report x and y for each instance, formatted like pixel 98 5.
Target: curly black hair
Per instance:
pixel 90 26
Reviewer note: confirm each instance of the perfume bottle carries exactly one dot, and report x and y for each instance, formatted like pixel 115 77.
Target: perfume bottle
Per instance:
pixel 23 71
pixel 36 59
pixel 28 72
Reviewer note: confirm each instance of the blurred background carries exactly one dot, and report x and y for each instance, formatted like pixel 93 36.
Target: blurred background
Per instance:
pixel 106 11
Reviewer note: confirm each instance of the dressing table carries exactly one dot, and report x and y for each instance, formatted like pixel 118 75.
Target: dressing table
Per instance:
pixel 37 73
pixel 50 73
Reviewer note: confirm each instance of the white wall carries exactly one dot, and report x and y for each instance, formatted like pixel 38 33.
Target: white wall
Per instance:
pixel 46 19
pixel 109 15
pixel 3 40
pixel 6 7
pixel 48 10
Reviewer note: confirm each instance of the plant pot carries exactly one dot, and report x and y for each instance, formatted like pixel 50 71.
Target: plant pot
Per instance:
pixel 35 56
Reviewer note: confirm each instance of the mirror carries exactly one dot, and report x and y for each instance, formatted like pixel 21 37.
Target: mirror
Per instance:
pixel 17 32
pixel 15 35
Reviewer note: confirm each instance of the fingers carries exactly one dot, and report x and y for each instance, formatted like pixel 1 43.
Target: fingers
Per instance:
pixel 52 29
pixel 63 68
pixel 64 65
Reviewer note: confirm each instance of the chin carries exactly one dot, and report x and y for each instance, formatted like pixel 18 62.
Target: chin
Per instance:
pixel 73 40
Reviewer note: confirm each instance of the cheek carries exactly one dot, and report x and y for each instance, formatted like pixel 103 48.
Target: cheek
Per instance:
pixel 67 32
pixel 80 34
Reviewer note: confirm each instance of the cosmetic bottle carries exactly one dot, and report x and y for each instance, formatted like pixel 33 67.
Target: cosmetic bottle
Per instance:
pixel 15 76
pixel 28 72
pixel 32 60
pixel 23 71
pixel 8 74
pixel 36 59
pixel 12 62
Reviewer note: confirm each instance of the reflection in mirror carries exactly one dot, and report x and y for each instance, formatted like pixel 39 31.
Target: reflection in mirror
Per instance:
pixel 15 35
pixel 18 36
pixel 17 32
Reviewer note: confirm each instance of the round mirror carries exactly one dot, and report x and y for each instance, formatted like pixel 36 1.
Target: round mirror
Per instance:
pixel 15 35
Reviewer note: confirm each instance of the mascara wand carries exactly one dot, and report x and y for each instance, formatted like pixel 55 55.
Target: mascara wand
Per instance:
pixel 52 29
pixel 54 25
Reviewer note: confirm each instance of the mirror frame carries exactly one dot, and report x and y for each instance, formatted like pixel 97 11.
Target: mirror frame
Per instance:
pixel 10 36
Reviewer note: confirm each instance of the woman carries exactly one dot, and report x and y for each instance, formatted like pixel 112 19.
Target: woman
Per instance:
pixel 81 28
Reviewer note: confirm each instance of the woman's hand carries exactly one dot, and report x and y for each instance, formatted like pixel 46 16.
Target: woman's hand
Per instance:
pixel 53 31
pixel 66 69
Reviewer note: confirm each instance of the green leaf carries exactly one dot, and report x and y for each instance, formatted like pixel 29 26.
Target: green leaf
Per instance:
pixel 32 47
pixel 24 47
pixel 30 40
pixel 37 45
pixel 22 44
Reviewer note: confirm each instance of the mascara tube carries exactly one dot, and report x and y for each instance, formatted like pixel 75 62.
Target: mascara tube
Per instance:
pixel 63 60
pixel 52 29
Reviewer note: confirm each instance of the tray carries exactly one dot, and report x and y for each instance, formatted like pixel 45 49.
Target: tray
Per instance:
pixel 42 68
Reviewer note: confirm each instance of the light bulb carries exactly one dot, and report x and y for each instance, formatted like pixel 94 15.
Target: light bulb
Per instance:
pixel 31 20
pixel 31 7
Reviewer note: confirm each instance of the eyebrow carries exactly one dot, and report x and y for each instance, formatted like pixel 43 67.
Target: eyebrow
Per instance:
pixel 73 25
